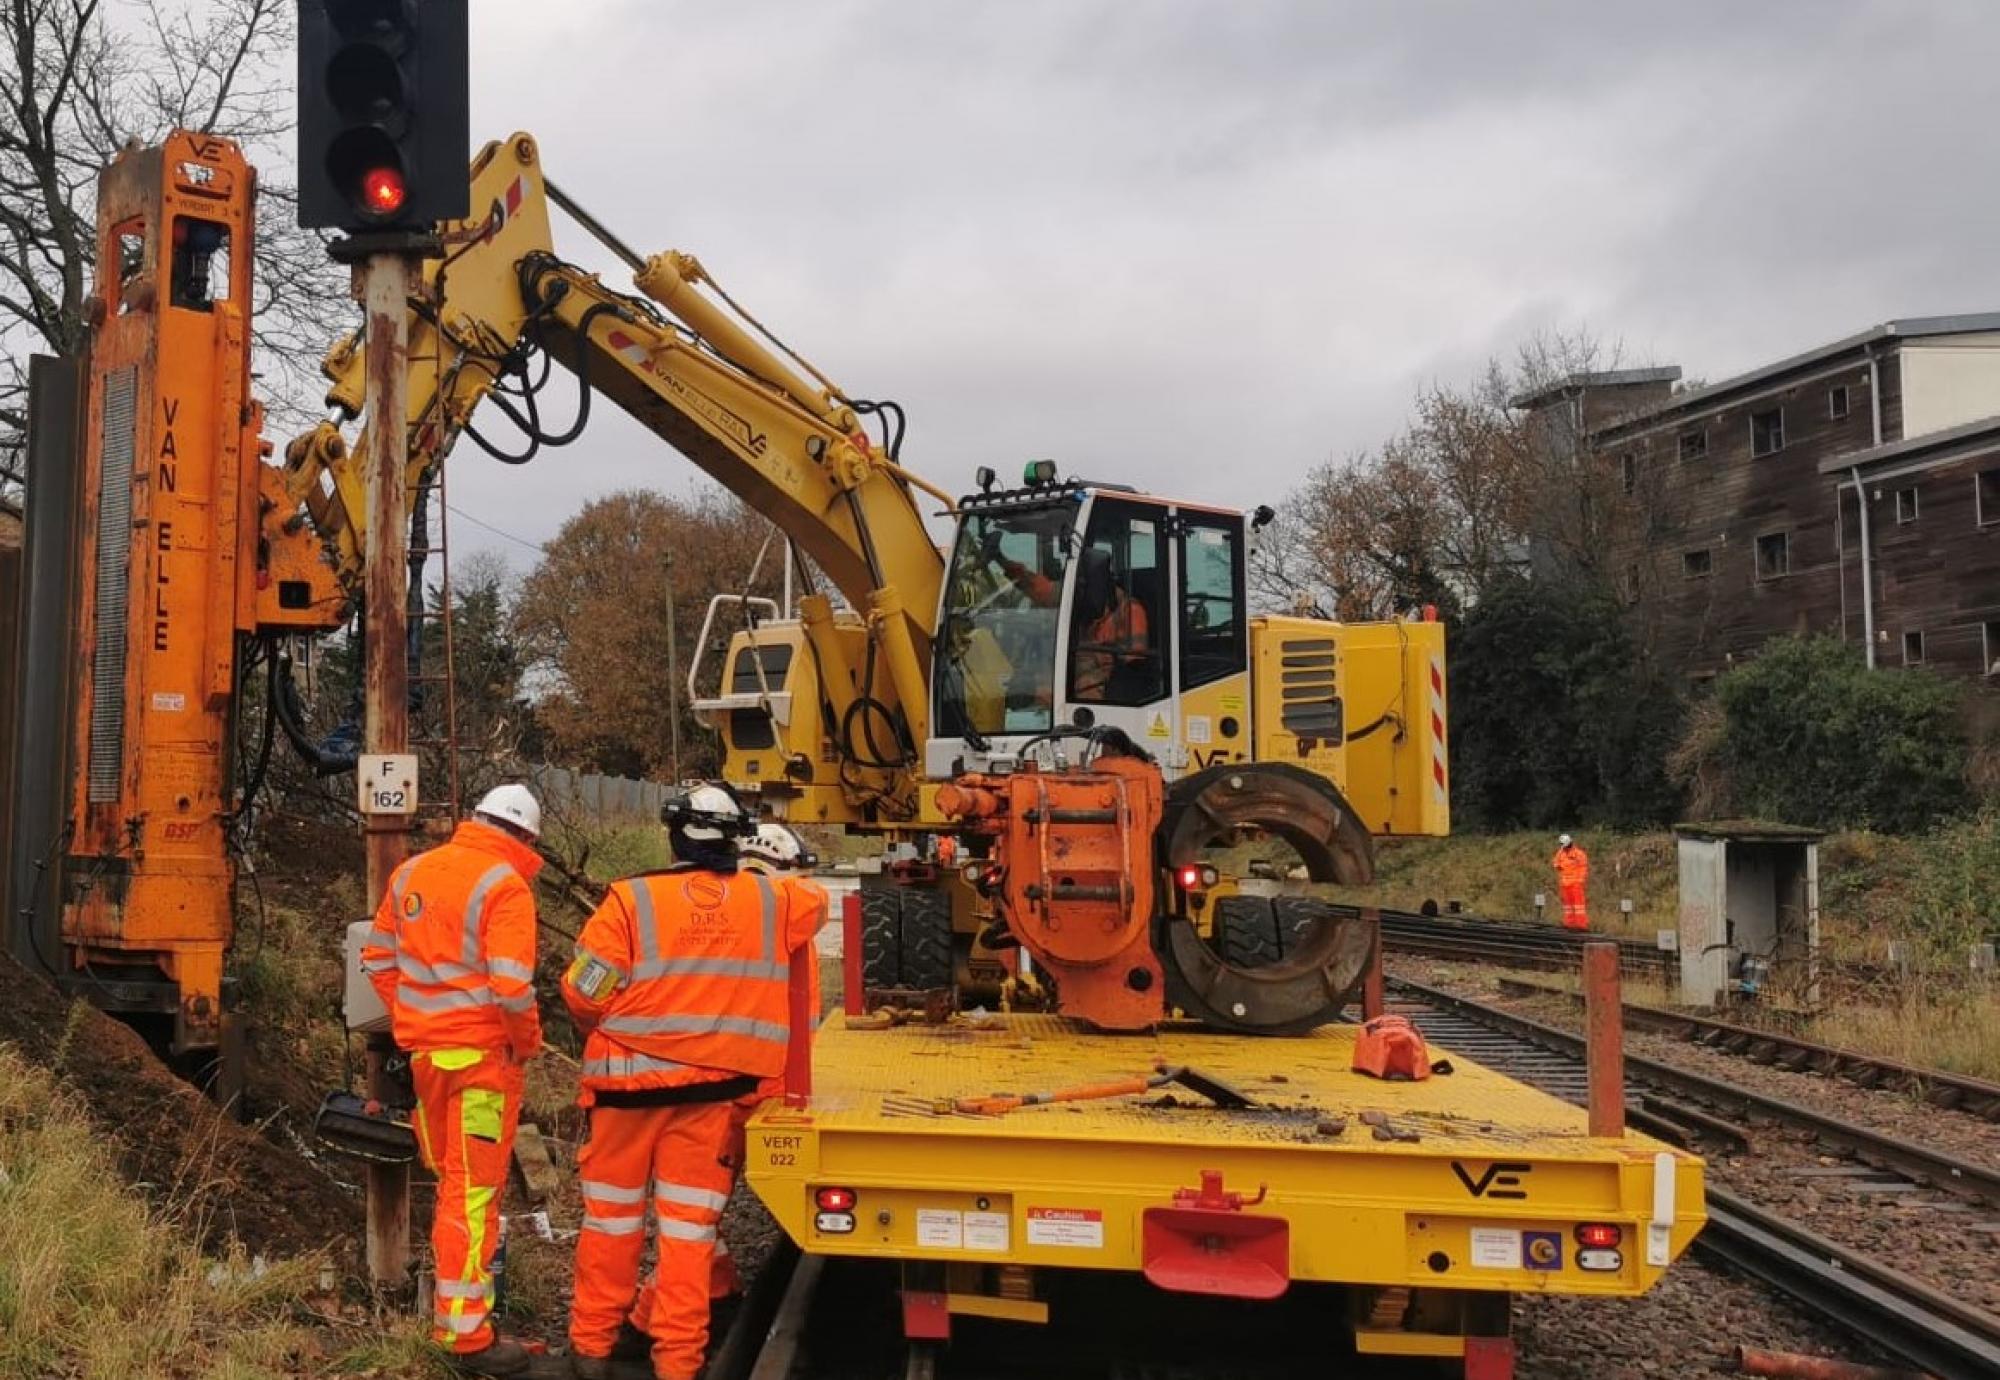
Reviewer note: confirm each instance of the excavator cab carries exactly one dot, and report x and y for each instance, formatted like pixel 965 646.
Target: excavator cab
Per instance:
pixel 1090 605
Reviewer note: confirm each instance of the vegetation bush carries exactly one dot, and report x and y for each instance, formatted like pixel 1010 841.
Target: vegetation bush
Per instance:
pixel 1808 734
pixel 1554 718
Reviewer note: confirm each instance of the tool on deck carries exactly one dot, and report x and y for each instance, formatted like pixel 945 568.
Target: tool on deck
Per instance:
pixel 366 1129
pixel 1214 1089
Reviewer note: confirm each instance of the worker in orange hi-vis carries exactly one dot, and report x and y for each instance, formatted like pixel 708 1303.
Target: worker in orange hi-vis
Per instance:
pixel 1572 866
pixel 681 987
pixel 452 954
pixel 773 851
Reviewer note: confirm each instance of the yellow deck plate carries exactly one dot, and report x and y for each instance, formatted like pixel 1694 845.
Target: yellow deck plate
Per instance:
pixel 1498 1173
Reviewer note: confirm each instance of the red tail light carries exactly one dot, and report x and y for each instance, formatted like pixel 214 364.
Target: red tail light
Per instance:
pixel 835 1199
pixel 1599 1236
pixel 1194 876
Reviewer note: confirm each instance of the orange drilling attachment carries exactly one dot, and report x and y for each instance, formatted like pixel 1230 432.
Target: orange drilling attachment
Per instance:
pixel 1073 862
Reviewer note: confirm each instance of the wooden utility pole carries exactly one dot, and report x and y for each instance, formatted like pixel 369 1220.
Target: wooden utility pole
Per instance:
pixel 382 283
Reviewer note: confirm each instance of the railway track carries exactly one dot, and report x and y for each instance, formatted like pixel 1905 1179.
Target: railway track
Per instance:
pixel 1515 942
pixel 1908 1317
pixel 1939 1087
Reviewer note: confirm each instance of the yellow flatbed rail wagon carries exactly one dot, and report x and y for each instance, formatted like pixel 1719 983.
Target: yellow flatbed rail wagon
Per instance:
pixel 1430 1201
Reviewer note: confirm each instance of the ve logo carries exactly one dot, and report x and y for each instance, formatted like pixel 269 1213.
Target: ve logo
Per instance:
pixel 1501 1179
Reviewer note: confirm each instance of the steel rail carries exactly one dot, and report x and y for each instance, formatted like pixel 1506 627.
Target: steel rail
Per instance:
pixel 1939 1087
pixel 1884 1151
pixel 1921 1325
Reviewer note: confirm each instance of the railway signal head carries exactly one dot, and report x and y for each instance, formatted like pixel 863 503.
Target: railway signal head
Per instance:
pixel 383 114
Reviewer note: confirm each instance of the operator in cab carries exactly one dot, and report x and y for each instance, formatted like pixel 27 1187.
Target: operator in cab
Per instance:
pixel 680 986
pixel 452 954
pixel 1112 628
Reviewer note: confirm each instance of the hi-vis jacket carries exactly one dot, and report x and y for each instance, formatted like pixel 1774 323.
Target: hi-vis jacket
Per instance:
pixel 681 977
pixel 452 952
pixel 1572 865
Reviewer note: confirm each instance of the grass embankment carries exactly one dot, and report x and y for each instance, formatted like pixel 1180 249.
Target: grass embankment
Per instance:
pixel 1934 895
pixel 94 1282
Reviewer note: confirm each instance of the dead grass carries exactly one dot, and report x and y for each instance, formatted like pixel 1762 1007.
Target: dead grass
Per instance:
pixel 95 1283
pixel 1952 1028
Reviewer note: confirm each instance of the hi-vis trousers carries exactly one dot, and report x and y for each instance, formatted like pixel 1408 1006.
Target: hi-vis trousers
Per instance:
pixel 468 1104
pixel 676 1161
pixel 1575 916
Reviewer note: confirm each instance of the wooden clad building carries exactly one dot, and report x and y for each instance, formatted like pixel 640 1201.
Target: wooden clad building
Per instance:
pixel 1748 524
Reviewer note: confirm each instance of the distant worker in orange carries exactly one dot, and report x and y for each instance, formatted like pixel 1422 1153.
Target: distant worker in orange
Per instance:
pixel 1572 866
pixel 452 954
pixel 681 988
pixel 1113 629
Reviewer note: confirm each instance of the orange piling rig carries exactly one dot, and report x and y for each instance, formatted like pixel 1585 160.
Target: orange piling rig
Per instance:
pixel 183 547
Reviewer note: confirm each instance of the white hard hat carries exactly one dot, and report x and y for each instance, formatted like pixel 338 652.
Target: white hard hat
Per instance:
pixel 704 813
pixel 512 804
pixel 776 845
pixel 1564 840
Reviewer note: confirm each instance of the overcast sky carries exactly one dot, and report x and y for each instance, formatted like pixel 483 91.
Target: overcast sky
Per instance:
pixel 1203 246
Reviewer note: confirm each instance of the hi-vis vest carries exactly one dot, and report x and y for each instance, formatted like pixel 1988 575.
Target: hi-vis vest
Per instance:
pixel 681 977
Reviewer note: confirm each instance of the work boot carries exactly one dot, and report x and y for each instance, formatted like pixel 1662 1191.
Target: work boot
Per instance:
pixel 506 1357
pixel 633 1344
pixel 583 1367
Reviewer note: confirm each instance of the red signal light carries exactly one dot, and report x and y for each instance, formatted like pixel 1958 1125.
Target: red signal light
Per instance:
pixel 382 191
pixel 1599 1236
pixel 1190 878
pixel 835 1199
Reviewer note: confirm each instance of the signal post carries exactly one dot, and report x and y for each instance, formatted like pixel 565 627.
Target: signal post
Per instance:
pixel 384 131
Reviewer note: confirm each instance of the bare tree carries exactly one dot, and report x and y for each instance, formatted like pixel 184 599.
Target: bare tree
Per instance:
pixel 85 80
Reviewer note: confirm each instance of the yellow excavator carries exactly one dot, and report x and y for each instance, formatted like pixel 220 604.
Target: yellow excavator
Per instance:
pixel 987 664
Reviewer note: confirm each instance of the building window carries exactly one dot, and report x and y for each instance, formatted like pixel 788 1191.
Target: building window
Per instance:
pixel 1774 556
pixel 1989 647
pixel 1767 432
pixel 1836 401
pixel 1695 565
pixel 1628 472
pixel 1989 497
pixel 1694 445
pixel 1913 649
pixel 1906 504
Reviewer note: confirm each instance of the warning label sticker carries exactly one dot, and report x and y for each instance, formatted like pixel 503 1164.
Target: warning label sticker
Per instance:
pixel 169 701
pixel 1078 1227
pixel 1156 727
pixel 940 1227
pixel 986 1231
pixel 1495 1250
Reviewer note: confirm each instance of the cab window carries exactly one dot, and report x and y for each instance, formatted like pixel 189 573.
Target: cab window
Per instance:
pixel 1117 649
pixel 1211 599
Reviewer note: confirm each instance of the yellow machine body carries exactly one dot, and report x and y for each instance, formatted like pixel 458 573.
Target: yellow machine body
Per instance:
pixel 1486 1194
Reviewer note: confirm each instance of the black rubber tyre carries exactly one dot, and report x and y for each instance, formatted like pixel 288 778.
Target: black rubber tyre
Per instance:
pixel 881 936
pixel 1298 915
pixel 926 933
pixel 1247 933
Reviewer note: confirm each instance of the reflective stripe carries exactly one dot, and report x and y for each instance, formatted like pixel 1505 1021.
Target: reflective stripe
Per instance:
pixel 649 938
pixel 436 975
pixel 712 967
pixel 696 1025
pixel 445 1001
pixel 520 1001
pixel 461 1325
pixel 684 1231
pixel 378 965
pixel 611 1193
pixel 510 968
pixel 689 1196
pixel 626 1065
pixel 463 1289
pixel 769 898
pixel 614 1226
pixel 475 906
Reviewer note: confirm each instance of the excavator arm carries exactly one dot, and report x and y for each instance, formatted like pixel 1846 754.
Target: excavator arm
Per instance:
pixel 693 372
